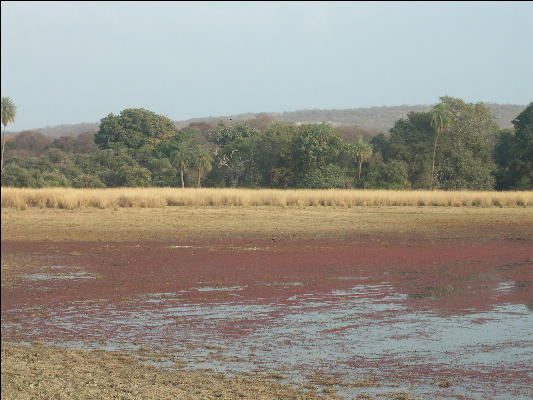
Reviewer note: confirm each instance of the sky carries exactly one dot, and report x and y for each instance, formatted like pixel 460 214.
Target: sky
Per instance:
pixel 72 62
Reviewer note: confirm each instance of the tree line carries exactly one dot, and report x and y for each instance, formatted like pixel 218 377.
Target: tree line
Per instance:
pixel 454 146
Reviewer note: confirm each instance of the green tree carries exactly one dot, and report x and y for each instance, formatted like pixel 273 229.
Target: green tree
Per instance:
pixel 514 153
pixel 105 164
pixel 134 128
pixel 201 161
pixel 15 175
pixel 380 175
pixel 524 144
pixel 504 156
pixel 224 134
pixel 87 181
pixel 467 148
pixel 274 157
pixel 131 176
pixel 163 172
pixel 410 142
pixel 54 179
pixel 329 177
pixel 9 112
pixel 323 133
pixel 440 120
pixel 361 150
pixel 182 158
pixel 380 144
pixel 461 159
pixel 315 146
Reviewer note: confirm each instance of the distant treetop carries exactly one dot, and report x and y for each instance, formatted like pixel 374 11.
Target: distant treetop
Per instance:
pixel 134 128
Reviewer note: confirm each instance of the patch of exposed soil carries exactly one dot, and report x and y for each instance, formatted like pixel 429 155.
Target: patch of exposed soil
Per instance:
pixel 42 372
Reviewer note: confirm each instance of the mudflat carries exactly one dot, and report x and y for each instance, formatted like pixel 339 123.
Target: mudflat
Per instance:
pixel 368 302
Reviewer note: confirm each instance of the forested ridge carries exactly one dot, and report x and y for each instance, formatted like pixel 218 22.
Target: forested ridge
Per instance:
pixel 453 145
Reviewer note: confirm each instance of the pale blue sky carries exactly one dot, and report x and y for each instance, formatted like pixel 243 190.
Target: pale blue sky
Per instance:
pixel 76 62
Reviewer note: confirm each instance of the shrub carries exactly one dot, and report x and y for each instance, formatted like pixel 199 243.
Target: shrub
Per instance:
pixel 54 179
pixel 16 176
pixel 131 176
pixel 381 175
pixel 87 181
pixel 330 177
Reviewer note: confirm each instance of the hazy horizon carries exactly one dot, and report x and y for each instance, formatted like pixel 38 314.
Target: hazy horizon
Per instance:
pixel 68 63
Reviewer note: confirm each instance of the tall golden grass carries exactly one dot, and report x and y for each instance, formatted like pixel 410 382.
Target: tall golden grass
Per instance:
pixel 68 198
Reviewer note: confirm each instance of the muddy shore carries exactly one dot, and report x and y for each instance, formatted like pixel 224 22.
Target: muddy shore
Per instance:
pixel 35 371
pixel 371 305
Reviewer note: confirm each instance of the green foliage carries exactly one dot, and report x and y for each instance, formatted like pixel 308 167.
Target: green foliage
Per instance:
pixel 329 177
pixel 163 172
pixel 513 153
pixel 314 146
pixel 201 162
pixel 450 147
pixel 504 156
pixel 441 117
pixel 9 111
pixel 112 159
pixel 462 159
pixel 181 159
pixel 380 144
pixel 238 161
pixel 17 176
pixel 131 176
pixel 361 151
pixel 524 146
pixel 54 179
pixel 392 175
pixel 133 129
pixel 274 160
pixel 411 142
pixel 87 181
pixel 224 134
pixel 462 169
pixel 466 155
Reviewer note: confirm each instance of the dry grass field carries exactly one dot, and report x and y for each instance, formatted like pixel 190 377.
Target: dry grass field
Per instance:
pixel 263 222
pixel 68 198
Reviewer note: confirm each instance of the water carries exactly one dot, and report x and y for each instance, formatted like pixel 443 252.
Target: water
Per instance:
pixel 367 331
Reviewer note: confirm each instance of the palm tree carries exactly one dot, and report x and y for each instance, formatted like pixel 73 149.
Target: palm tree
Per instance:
pixel 362 151
pixel 440 121
pixel 322 139
pixel 323 133
pixel 181 158
pixel 201 162
pixel 9 112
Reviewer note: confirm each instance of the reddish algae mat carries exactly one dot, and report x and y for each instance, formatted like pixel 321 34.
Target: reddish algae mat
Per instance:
pixel 438 319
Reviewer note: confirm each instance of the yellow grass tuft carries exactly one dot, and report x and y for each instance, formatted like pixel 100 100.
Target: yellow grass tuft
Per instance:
pixel 68 198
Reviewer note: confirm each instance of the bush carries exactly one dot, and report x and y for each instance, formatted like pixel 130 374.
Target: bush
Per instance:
pixel 128 176
pixel 16 176
pixel 381 175
pixel 87 181
pixel 54 179
pixel 330 177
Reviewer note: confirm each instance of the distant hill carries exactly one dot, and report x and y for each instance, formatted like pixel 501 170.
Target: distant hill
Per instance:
pixel 62 130
pixel 379 119
pixel 372 119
